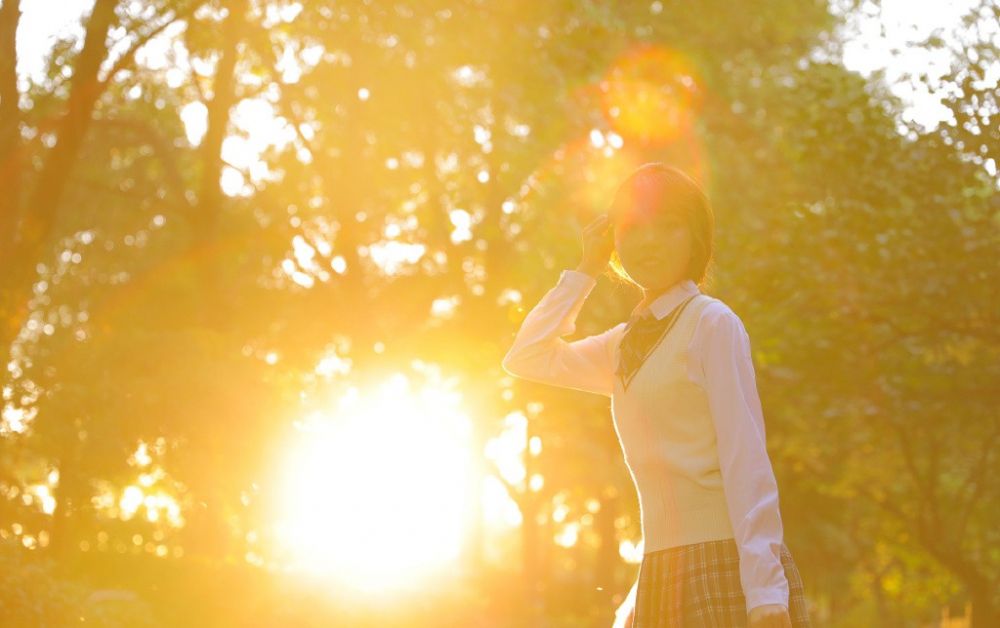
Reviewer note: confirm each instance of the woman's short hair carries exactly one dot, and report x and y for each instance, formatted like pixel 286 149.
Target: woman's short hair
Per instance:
pixel 679 192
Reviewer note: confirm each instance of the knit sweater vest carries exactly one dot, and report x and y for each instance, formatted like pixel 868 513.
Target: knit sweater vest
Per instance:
pixel 665 427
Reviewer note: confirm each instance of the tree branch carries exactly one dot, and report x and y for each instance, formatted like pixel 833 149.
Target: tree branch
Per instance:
pixel 127 60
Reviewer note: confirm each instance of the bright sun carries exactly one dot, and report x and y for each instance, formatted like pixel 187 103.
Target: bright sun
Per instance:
pixel 376 493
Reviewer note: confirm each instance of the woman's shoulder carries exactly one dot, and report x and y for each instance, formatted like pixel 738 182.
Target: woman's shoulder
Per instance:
pixel 718 333
pixel 716 314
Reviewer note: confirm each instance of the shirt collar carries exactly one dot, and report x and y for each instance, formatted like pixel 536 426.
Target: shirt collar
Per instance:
pixel 671 298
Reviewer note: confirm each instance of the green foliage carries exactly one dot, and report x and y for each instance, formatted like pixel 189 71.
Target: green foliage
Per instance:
pixel 858 249
pixel 34 592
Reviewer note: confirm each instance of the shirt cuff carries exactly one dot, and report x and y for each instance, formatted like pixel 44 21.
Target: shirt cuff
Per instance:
pixel 577 278
pixel 765 596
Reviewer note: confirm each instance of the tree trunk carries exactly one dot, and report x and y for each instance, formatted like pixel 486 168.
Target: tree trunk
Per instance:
pixel 531 534
pixel 10 127
pixel 528 504
pixel 72 495
pixel 209 304
pixel 34 230
pixel 607 554
pixel 984 611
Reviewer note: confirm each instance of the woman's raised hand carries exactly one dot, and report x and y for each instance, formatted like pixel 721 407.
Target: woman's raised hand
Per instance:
pixel 598 243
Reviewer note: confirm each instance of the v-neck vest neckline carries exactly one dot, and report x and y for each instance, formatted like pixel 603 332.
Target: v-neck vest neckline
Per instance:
pixel 652 333
pixel 664 425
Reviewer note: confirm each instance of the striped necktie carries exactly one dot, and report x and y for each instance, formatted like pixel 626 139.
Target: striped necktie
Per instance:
pixel 643 333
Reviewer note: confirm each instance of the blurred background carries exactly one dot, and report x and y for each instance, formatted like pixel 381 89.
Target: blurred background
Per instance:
pixel 260 261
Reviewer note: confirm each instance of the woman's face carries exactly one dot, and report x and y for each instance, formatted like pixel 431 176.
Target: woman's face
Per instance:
pixel 654 247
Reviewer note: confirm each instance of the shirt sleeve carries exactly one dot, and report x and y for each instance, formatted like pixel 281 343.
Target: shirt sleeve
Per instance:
pixel 540 354
pixel 723 366
pixel 627 606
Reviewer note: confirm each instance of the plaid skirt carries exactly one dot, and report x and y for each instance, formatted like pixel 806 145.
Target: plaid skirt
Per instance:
pixel 698 586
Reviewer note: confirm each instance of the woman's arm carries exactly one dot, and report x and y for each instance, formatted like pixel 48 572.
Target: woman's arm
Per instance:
pixel 540 354
pixel 725 369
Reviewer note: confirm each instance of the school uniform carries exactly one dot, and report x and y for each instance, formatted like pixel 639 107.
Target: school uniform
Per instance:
pixel 689 421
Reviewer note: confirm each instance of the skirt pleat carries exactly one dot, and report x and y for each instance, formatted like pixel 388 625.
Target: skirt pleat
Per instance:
pixel 698 586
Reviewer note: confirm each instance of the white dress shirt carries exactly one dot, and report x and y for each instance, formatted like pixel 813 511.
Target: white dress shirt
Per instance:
pixel 719 362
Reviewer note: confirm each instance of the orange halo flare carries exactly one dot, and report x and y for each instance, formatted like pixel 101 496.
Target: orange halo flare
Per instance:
pixel 652 94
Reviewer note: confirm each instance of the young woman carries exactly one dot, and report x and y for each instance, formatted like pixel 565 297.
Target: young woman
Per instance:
pixel 685 409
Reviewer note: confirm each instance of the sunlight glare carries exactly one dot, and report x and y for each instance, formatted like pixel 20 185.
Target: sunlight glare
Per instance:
pixel 376 493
